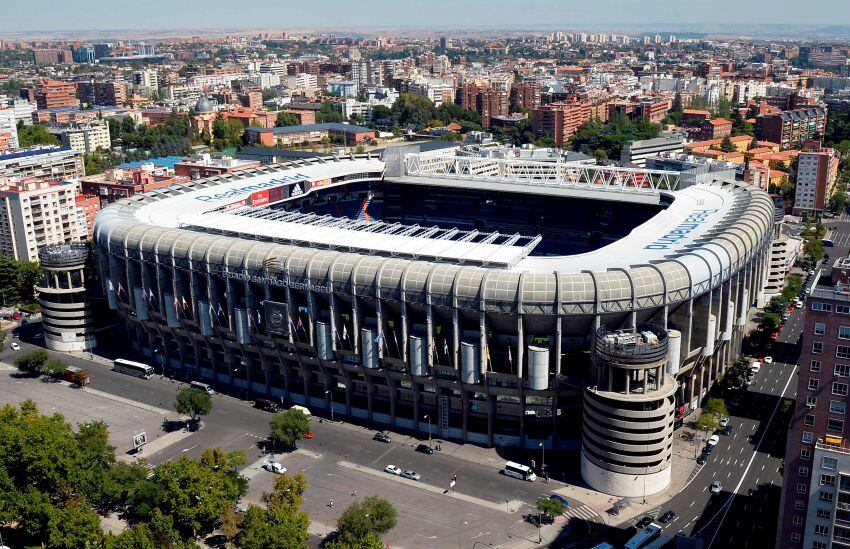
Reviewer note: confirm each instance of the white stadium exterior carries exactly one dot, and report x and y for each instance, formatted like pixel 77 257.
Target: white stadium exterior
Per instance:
pixel 259 283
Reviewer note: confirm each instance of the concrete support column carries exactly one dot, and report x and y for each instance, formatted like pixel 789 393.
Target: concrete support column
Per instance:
pixel 404 333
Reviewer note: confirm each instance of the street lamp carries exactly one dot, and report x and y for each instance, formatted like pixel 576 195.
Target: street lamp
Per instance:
pixel 428 417
pixel 459 523
pixel 331 394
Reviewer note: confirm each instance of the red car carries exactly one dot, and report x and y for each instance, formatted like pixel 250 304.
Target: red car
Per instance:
pixel 774 335
pixel 308 435
pixel 791 309
pixel 16 316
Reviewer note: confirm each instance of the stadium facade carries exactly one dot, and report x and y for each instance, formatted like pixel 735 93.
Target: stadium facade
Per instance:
pixel 496 302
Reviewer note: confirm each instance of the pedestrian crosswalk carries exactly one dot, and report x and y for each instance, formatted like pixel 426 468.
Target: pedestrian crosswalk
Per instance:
pixel 581 511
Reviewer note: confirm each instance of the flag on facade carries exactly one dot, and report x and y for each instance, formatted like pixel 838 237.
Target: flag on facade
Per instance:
pixel 220 310
pixel 395 338
pixel 185 305
pixel 120 288
pixel 259 318
pixel 344 332
pixel 446 346
pixel 176 304
pixel 487 351
pixel 510 358
pixel 150 294
pixel 299 325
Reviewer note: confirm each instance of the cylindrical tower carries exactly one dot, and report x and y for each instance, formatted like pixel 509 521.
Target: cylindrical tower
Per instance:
pixel 628 413
pixel 67 313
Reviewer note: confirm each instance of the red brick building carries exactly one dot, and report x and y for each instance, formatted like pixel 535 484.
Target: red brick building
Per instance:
pixel 525 95
pixel 49 94
pixel 485 100
pixel 716 128
pixel 560 120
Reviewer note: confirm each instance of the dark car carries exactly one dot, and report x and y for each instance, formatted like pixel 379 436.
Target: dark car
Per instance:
pixel 267 405
pixel 425 449
pixel 701 459
pixel 667 517
pixel 562 499
pixel 726 430
pixel 644 522
pixel 382 437
pixel 707 450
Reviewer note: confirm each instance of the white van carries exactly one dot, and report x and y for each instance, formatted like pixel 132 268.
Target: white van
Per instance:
pixel 755 366
pixel 15 346
pixel 303 409
pixel 203 387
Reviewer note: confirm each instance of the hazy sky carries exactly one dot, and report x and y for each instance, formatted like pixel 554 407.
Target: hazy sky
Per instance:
pixel 20 15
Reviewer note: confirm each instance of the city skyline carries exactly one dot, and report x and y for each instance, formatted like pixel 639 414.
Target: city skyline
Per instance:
pixel 544 14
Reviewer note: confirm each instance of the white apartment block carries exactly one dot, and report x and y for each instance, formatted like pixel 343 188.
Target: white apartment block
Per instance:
pixel 23 109
pixel 87 139
pixel 48 163
pixel 146 81
pixel 186 93
pixel 9 125
pixel 35 213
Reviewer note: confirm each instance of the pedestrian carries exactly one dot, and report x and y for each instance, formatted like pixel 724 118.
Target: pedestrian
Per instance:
pixel 353 493
pixel 330 503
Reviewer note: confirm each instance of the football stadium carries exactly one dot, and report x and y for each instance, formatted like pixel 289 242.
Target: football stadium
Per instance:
pixel 499 302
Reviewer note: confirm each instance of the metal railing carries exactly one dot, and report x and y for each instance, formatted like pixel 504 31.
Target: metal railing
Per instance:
pixel 63 255
pixel 541 173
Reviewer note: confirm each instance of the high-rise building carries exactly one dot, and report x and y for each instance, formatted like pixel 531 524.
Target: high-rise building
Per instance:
pixel 525 95
pixel 102 50
pixel 815 503
pixel 36 213
pixel 145 81
pixel 487 100
pixel 791 128
pixel 8 129
pixel 84 54
pixel 560 120
pixel 43 57
pixel 817 170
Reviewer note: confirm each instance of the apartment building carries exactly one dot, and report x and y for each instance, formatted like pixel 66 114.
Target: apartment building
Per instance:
pixel 817 171
pixel 36 213
pixel 50 163
pixel 716 128
pixel 560 120
pixel 118 183
pixel 815 505
pixel 525 95
pixel 487 100
pixel 636 152
pixel 86 139
pixel 206 166
pixel 8 130
pixel 50 94
pixel 105 92
pixel 791 128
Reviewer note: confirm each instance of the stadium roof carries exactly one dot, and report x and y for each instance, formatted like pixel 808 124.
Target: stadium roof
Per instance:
pixel 706 234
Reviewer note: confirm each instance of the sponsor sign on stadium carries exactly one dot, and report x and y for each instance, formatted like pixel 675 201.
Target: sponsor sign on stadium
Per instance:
pixel 269 280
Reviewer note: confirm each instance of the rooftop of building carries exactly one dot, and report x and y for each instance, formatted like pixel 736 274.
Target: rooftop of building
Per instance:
pixel 211 161
pixel 34 151
pixel 327 126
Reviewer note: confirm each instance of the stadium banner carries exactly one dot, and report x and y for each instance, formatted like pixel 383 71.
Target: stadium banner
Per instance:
pixel 277 317
pixel 259 198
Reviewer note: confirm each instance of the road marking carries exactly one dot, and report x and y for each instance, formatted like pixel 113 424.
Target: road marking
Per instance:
pixel 728 504
pixel 692 503
pixel 189 448
pixel 762 467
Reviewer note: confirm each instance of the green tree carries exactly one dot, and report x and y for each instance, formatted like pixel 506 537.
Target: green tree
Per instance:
pixel 157 533
pixel 227 133
pixel 327 113
pixel 726 145
pixel 36 134
pixel 194 493
pixel 230 524
pixel 371 515
pixel 413 110
pixel 551 507
pixel 92 163
pixel 53 367
pixel 736 374
pixel 369 541
pixel 723 109
pixel 74 525
pixel 33 361
pixel 838 199
pixel 123 478
pixel 288 427
pixel 193 403
pixel 281 523
pixel 286 119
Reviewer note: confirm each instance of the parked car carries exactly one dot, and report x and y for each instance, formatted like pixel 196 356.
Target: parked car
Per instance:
pixel 382 437
pixel 713 440
pixel 768 360
pixel 726 430
pixel 755 367
pixel 392 469
pixel 15 346
pixel 716 487
pixel 274 467
pixel 308 435
pixel 667 517
pixel 724 421
pixel 267 405
pixel 701 459
pixel 424 449
pixel 412 475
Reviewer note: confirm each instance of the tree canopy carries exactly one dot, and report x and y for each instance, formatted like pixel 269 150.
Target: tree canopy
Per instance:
pixel 288 427
pixel 611 136
pixel 286 119
pixel 193 403
pixel 281 523
pixel 413 110
pixel 36 134
pixel 372 515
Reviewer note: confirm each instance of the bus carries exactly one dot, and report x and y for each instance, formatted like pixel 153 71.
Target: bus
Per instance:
pixel 644 537
pixel 659 543
pixel 519 471
pixel 131 368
